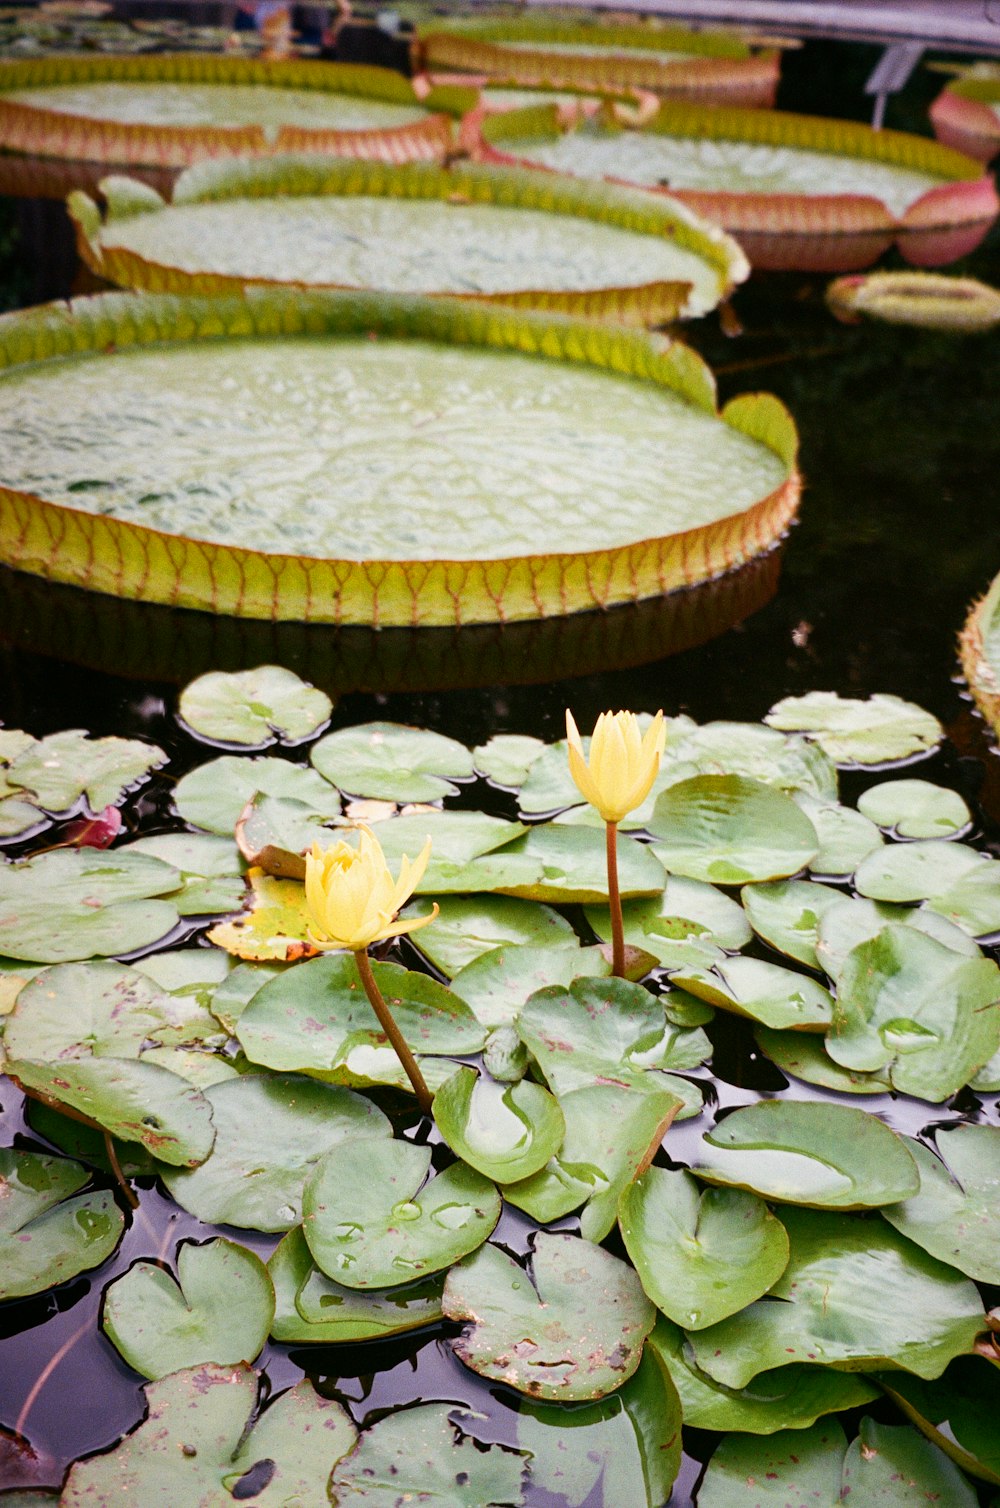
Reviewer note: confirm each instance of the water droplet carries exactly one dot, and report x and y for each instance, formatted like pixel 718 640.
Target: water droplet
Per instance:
pixel 407 1264
pixel 452 1216
pixel 344 1260
pixel 347 1230
pixel 406 1210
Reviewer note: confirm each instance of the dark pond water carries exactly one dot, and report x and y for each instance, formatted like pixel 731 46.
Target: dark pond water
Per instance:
pixel 899 532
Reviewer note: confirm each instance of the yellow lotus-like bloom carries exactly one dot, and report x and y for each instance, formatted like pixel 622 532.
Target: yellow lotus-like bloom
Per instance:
pixel 623 762
pixel 352 897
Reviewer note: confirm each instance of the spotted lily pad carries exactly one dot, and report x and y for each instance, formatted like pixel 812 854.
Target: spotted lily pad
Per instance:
pixel 955 1215
pixel 372 1221
pixel 730 829
pixel 210 870
pixel 571 1329
pixel 496 984
pixel 787 915
pixel 915 809
pixel 425 1455
pixel 54 772
pixel 458 839
pixel 218 1309
pixel 689 918
pixel 506 758
pixel 213 795
pixel 882 730
pixel 912 1009
pixel 270 1133
pixel 958 1412
pixel 80 903
pixel 253 707
pixel 273 928
pixel 504 1131
pixel 803 1152
pixel 765 992
pixel 702 1254
pixel 855 1295
pixel 392 762
pixel 49 1231
pixel 196 1445
pixel 310 1307
pixel 469 926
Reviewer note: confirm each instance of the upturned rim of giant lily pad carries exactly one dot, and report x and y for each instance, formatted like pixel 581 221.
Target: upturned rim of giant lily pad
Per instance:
pixel 979 652
pixel 962 118
pixel 125 559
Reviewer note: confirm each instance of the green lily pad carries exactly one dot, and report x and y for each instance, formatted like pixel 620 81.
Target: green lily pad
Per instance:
pixel 392 762
pixel 469 926
pixel 57 770
pixel 912 1009
pixel 496 984
pixel 196 1445
pixel 701 1254
pixel 882 730
pixel 804 1152
pixel 86 1143
pixel 317 1019
pixel 571 1329
pixel 958 1412
pixel 790 1397
pixel 763 991
pixel 239 987
pixel 854 921
pixel 372 1221
pixel 786 761
pixel 505 1056
pixel 253 707
pixel 729 829
pixel 425 1455
pixel 856 1295
pixel 133 1101
pixel 210 869
pixel 219 1308
pixel 458 838
pixel 19 819
pixel 955 1215
pixel 214 795
pixel 911 872
pixel 188 972
pixel 892 1464
pixel 506 758
pixel 791 1466
pixel 271 1130
pixel 804 1056
pixel 915 809
pixel 606 1031
pixel 504 1131
pixel 787 915
pixel 610 1135
pixel 312 1308
pixel 46 1234
pixel 196 1066
pixel 688 917
pixel 79 903
pixel 845 836
pixel 574 865
pixel 972 902
pixel 624 1448
pixel 279 822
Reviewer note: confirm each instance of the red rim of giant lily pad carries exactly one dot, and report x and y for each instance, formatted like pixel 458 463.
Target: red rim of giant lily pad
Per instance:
pixel 979 651
pixel 819 233
pixel 962 116
pixel 645 304
pixel 718 68
pixel 130 560
pixel 36 131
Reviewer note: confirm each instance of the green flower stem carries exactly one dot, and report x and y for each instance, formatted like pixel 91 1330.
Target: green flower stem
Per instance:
pixel 615 903
pixel 392 1031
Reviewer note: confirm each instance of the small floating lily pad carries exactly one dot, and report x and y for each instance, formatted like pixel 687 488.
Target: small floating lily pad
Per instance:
pixel 49 1231
pixel 506 758
pixel 213 795
pixel 253 707
pixel 804 1056
pixel 469 926
pixel 786 761
pixel 56 771
pixel 573 1329
pixel 955 1215
pixel 882 730
pixel 845 836
pixel 424 1454
pixel 392 762
pixel 803 1152
pixel 80 903
pixel 504 1131
pixel 310 1307
pixel 730 829
pixel 907 872
pixel 218 1309
pixel 915 809
pixel 372 1221
pixel 573 864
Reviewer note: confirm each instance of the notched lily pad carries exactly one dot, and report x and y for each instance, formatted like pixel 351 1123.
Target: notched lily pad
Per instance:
pixel 572 1329
pixel 845 836
pixel 253 707
pixel 915 809
pixel 210 870
pixel 496 984
pixel 687 921
pixel 728 829
pixel 763 991
pixel 214 795
pixel 504 1131
pixel 56 771
pixel 429 1454
pixel 787 915
pixel 573 865
pixel 392 762
pixel 49 1231
pixel 310 1307
pixel 882 730
pixel 506 758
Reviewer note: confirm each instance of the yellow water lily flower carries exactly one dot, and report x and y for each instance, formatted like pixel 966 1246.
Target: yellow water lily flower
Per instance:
pixel 623 762
pixel 352 897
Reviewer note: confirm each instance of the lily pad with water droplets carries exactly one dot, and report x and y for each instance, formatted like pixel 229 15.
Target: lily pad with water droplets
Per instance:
pixel 219 1309
pixel 213 795
pixel 210 869
pixel 429 1454
pixel 469 926
pixel 688 918
pixel 196 1445
pixel 49 1231
pixel 82 903
pixel 762 991
pixel 253 707
pixel 804 1152
pixel 701 1254
pixel 573 1328
pixel 787 915
pixel 915 809
pixel 372 1221
pixel 855 1295
pixel 310 1307
pixel 882 730
pixel 392 762
pixel 56 771
pixel 955 1215
pixel 728 829
pixel 958 1412
pixel 506 758
pixel 504 1131
pixel 913 1010
pixel 496 984
pixel 271 1130
pixel 845 836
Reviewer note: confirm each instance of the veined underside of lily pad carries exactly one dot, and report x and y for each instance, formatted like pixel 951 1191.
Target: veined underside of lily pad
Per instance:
pixel 979 649
pixel 493 234
pixel 966 115
pixel 761 174
pixel 172 110
pixel 672 60
pixel 477 464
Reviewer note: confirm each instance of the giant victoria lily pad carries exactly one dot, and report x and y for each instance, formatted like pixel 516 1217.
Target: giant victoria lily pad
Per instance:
pixel 980 648
pixel 795 190
pixel 478 232
pixel 211 491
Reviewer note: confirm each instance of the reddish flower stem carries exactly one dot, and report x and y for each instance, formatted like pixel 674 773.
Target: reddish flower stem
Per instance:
pixel 392 1031
pixel 615 903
